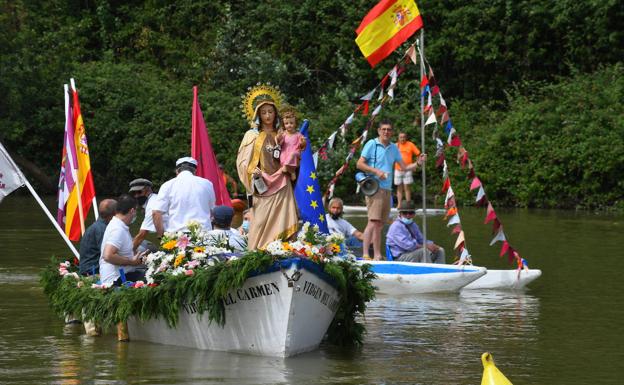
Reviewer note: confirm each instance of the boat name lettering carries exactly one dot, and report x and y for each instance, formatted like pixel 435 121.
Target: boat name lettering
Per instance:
pixel 252 292
pixel 320 295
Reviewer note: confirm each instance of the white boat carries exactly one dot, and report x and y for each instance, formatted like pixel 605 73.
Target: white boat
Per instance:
pixel 281 312
pixel 397 278
pixel 505 280
pixel 361 210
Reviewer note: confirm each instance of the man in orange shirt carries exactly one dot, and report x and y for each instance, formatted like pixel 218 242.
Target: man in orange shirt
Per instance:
pixel 403 179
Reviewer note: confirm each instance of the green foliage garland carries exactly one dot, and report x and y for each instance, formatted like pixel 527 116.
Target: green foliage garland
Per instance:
pixel 72 294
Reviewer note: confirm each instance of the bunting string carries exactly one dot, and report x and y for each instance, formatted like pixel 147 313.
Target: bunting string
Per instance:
pixel 386 88
pixel 441 117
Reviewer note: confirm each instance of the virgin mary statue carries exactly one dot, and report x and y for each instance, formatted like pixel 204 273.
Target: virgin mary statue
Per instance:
pixel 274 211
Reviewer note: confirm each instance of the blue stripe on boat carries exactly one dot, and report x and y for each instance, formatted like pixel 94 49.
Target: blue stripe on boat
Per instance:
pixel 395 268
pixel 299 263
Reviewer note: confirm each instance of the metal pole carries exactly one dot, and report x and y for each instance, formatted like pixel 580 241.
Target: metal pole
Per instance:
pixel 45 210
pixel 422 141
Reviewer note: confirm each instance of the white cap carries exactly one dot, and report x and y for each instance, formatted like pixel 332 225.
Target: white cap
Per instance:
pixel 186 159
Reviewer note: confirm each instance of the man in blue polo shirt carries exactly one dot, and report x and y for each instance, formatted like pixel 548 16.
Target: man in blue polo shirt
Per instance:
pixel 377 159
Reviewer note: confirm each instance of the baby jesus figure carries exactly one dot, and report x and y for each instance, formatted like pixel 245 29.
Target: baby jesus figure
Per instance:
pixel 291 141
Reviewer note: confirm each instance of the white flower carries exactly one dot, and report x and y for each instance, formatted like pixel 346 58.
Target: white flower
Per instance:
pixel 178 271
pixel 211 262
pixel 198 256
pixel 315 228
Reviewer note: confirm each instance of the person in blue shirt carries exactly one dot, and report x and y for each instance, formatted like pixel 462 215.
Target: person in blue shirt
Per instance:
pixel 377 159
pixel 92 239
pixel 406 241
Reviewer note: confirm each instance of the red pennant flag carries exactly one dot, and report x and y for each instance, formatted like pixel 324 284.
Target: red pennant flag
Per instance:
pixel 201 150
pixel 365 110
pixel 496 225
pixel 455 141
pixel 463 159
pixel 450 203
pixel 491 214
pixel 471 171
pixel 504 248
pixel 424 82
pixel 440 160
pixel 475 183
pixel 435 90
pixel 511 253
pixel 456 230
pixel 447 184
pixel 445 117
pixel 441 110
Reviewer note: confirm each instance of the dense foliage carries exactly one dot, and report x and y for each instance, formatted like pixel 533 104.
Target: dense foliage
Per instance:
pixel 135 63
pixel 206 288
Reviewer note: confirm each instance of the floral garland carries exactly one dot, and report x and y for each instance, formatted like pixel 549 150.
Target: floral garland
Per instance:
pixel 194 265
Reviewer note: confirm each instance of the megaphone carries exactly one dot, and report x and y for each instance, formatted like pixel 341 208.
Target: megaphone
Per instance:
pixel 368 184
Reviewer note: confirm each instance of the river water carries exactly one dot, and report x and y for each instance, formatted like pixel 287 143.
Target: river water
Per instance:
pixel 566 329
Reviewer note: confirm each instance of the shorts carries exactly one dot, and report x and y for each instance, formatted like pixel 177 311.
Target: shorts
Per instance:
pixel 378 205
pixel 403 177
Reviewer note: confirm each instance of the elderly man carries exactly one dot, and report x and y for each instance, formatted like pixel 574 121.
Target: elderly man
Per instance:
pixel 116 248
pixel 406 241
pixel 339 225
pixel 377 159
pixel 141 190
pixel 184 198
pixel 221 222
pixel 91 242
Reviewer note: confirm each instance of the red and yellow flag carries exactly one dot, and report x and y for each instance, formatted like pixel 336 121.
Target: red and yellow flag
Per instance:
pixel 73 227
pixel 386 27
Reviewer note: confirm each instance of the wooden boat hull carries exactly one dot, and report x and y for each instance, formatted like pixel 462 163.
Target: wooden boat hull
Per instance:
pixel 282 312
pixel 404 278
pixel 505 280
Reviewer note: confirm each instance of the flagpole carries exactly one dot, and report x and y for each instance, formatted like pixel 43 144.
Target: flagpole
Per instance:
pixel 77 170
pixel 422 140
pixel 45 209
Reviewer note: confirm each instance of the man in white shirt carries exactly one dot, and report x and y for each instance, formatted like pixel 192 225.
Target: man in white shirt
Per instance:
pixel 116 252
pixel 184 198
pixel 141 190
pixel 337 224
pixel 222 221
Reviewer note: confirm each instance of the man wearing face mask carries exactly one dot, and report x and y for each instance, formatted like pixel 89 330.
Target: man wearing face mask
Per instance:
pixel 336 224
pixel 406 241
pixel 116 249
pixel 141 190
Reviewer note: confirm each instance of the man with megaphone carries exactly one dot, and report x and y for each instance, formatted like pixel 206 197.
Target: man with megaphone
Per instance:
pixel 377 162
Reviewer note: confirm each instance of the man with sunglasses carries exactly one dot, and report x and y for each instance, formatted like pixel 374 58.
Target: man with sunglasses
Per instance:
pixel 377 159
pixel 406 241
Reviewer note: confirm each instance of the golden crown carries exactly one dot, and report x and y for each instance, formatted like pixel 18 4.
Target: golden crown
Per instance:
pixel 258 94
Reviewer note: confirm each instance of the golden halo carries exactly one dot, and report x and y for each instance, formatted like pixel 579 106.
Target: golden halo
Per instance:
pixel 257 94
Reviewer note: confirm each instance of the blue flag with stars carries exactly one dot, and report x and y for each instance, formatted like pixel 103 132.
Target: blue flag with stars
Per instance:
pixel 307 190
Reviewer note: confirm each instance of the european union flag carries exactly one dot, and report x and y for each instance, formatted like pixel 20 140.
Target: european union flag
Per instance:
pixel 307 190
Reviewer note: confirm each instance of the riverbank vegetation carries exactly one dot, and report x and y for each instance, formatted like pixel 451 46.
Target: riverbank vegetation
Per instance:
pixel 534 88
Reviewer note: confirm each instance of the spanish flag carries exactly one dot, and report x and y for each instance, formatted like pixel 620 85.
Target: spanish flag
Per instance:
pixel 386 27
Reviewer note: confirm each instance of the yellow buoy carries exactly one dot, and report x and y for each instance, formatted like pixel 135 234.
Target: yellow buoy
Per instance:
pixel 491 374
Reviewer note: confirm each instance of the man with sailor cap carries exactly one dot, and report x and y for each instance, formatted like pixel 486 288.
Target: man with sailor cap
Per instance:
pixel 184 198
pixel 141 190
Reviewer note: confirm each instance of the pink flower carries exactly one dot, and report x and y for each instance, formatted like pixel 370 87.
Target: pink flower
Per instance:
pixel 139 284
pixel 183 241
pixel 63 270
pixel 189 272
pixel 192 264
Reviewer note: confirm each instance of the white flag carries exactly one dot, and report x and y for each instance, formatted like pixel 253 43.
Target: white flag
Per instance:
pixel 10 175
pixel 431 120
pixel 500 237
